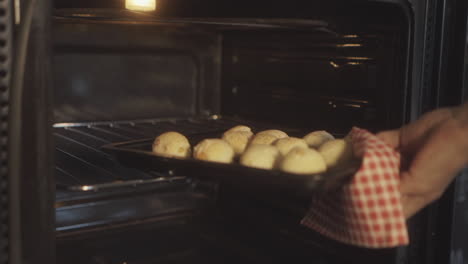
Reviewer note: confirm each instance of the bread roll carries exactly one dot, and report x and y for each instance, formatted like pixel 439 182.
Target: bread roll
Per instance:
pixel 303 161
pixel 263 139
pixel 240 128
pixel 260 156
pixel 274 132
pixel 317 138
pixel 172 144
pixel 336 152
pixel 215 150
pixel 268 137
pixel 238 140
pixel 284 145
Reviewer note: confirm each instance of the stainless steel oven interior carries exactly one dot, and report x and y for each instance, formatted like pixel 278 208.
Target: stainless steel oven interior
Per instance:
pixel 120 75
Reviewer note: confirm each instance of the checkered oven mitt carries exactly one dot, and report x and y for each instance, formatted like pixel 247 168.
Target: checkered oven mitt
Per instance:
pixel 367 212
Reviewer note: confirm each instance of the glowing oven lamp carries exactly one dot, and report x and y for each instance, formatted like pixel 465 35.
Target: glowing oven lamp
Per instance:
pixel 141 5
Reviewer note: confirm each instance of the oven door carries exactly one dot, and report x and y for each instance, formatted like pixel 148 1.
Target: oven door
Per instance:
pixel 27 184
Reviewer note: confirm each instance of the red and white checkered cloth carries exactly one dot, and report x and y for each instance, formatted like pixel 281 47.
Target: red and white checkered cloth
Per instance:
pixel 367 212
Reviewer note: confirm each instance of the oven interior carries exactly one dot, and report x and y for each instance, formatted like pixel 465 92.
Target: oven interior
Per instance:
pixel 122 75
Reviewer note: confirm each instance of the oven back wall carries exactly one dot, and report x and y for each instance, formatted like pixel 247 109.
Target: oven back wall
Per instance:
pixel 127 72
pixel 352 71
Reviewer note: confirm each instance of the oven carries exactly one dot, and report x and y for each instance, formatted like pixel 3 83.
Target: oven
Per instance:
pixel 78 75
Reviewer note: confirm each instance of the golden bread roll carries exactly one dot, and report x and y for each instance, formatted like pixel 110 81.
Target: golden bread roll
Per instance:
pixel 317 138
pixel 284 145
pixel 336 152
pixel 263 139
pixel 260 156
pixel 274 132
pixel 216 150
pixel 268 137
pixel 240 128
pixel 238 140
pixel 303 161
pixel 172 144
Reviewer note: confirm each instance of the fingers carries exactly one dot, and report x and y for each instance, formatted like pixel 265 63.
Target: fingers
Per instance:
pixel 434 148
pixel 434 166
pixel 436 163
pixel 391 137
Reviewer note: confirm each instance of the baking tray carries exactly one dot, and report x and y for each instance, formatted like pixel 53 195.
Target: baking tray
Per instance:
pixel 138 154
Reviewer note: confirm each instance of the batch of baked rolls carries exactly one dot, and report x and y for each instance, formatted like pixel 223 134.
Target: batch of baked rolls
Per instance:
pixel 273 149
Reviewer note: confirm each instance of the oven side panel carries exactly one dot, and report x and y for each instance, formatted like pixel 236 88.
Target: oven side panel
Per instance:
pixel 439 80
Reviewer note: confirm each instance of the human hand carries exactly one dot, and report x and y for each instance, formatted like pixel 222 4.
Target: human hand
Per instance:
pixel 433 150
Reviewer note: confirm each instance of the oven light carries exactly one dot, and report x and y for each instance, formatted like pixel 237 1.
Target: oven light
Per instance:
pixel 334 64
pixel 141 5
pixel 349 45
pixel 354 105
pixel 86 188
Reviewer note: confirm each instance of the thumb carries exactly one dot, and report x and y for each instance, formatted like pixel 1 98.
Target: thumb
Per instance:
pixel 391 137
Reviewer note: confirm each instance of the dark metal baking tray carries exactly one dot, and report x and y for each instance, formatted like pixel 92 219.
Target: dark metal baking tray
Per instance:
pixel 138 154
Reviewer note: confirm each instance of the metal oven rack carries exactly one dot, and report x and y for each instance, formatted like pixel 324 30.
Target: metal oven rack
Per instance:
pixel 93 187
